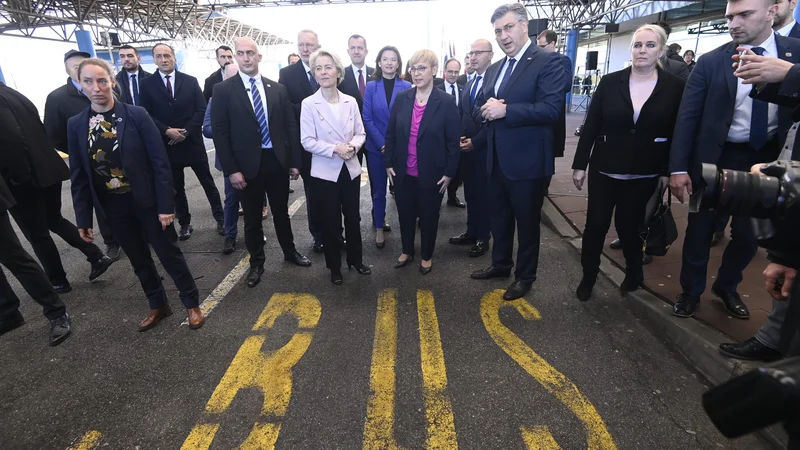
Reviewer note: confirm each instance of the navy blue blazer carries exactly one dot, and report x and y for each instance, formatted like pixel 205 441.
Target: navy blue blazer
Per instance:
pixel 785 93
pixel 567 63
pixel 438 148
pixel 534 96
pixel 707 105
pixel 376 112
pixel 144 160
pixel 470 127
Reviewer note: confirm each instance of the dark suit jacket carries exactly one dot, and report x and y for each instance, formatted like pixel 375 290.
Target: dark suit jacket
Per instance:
pixel 560 130
pixel 678 68
pixel 534 96
pixel 124 86
pixel 144 159
pixel 618 145
pixel 62 104
pixel 706 111
pixel 186 110
pixel 786 93
pixel 295 79
pixel 208 87
pixel 438 140
pixel 349 85
pixel 470 127
pixel 459 88
pixel 376 112
pixel 237 134
pixel 29 155
pixel 6 199
pixel 462 80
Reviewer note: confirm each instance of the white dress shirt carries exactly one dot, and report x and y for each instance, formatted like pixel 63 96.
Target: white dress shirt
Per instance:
pixel 785 30
pixel 502 73
pixel 447 88
pixel 363 70
pixel 307 69
pixel 743 107
pixel 171 81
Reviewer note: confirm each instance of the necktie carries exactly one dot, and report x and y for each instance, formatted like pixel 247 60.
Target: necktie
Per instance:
pixel 506 75
pixel 474 92
pixel 169 86
pixel 453 92
pixel 361 85
pixel 312 81
pixel 759 118
pixel 135 87
pixel 258 108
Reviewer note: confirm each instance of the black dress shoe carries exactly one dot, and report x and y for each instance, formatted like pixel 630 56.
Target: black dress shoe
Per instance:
pixel 337 278
pixel 12 323
pixel 254 277
pixel 490 272
pixel 360 268
pixel 750 350
pixel 479 249
pixel 298 259
pixel 455 201
pixel 584 291
pixel 62 287
pixel 386 227
pixel 113 252
pixel 186 232
pixel 425 270
pixel 518 289
pixel 380 244
pixel 629 284
pixel 99 267
pixel 318 247
pixel 401 264
pixel 60 329
pixel 221 228
pixel 463 239
pixel 229 246
pixel 615 244
pixel 686 305
pixel 733 303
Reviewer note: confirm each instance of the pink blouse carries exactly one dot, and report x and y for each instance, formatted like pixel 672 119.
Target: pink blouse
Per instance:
pixel 416 118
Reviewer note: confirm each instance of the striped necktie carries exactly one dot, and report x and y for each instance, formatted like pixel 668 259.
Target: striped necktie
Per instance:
pixel 258 108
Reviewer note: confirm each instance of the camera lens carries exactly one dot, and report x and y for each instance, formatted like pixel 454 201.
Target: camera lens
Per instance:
pixel 734 192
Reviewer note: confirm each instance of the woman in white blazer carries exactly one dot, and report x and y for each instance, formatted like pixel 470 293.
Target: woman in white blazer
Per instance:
pixel 331 130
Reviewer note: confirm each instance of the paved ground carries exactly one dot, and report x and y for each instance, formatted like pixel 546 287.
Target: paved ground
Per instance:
pixel 386 361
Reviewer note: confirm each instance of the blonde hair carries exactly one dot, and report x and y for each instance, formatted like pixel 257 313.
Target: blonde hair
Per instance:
pixel 99 63
pixel 425 56
pixel 660 33
pixel 337 63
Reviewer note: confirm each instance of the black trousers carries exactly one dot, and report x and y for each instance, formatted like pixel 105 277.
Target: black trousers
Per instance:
pixel 627 200
pixel 273 179
pixel 476 193
pixel 415 202
pixel 315 226
pixel 203 174
pixel 135 228
pixel 29 274
pixel 457 180
pixel 337 199
pixel 38 212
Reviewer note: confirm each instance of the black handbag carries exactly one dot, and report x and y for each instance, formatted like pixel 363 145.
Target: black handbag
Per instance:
pixel 660 230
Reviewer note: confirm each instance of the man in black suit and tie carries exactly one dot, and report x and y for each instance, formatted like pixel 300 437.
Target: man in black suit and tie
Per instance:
pixel 356 76
pixel 548 39
pixel 175 102
pixel 132 74
pixel 224 56
pixel 718 123
pixel 452 67
pixel 469 72
pixel 257 140
pixel 520 103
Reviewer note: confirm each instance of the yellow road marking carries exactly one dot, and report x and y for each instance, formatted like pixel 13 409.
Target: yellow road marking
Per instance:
pixel 88 441
pixel 551 379
pixel 201 437
pixel 438 410
pixel 263 437
pixel 538 438
pixel 379 424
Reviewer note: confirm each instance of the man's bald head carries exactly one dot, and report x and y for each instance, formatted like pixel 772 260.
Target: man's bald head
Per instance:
pixel 247 55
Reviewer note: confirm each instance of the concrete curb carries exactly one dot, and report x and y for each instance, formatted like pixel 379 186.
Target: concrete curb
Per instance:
pixel 694 340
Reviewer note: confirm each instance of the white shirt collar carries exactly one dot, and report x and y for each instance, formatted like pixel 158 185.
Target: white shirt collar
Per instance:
pixel 769 46
pixel 447 86
pixel 363 69
pixel 521 51
pixel 305 66
pixel 164 75
pixel 136 72
pixel 246 78
pixel 787 29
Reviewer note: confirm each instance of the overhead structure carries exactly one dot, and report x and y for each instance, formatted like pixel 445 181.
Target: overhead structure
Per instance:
pixel 589 14
pixel 128 21
pixel 263 3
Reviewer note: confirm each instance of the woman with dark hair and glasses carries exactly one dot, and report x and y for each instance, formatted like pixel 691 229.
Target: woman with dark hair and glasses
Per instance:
pixel 378 101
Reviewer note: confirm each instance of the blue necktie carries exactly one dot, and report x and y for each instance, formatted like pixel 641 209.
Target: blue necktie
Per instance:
pixel 474 92
pixel 135 90
pixel 759 118
pixel 506 75
pixel 258 108
pixel 313 81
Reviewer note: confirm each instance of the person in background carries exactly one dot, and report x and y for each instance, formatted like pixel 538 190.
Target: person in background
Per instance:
pixel 625 141
pixel 688 58
pixel 224 57
pixel 452 68
pixel 61 104
pixel 469 72
pixel 379 98
pixel 674 52
pixel 356 76
pixel 134 193
pixel 548 39
pixel 128 79
pixel 421 156
pixel 675 66
pixel 293 58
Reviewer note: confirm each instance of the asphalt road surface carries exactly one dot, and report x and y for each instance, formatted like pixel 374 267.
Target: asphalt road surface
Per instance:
pixel 388 361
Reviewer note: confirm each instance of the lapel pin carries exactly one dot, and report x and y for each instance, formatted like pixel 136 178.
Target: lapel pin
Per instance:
pixel 529 58
pixel 119 119
pixel 269 85
pixel 788 54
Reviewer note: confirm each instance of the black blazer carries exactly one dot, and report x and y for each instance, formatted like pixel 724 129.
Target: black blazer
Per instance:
pixel 27 152
pixel 613 142
pixel 185 110
pixel 62 104
pixel 124 86
pixel 349 85
pixel 438 140
pixel 208 87
pixel 144 159
pixel 459 88
pixel 237 134
pixel 470 127
pixel 462 80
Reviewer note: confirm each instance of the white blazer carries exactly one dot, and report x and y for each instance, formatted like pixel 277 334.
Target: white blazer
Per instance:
pixel 321 131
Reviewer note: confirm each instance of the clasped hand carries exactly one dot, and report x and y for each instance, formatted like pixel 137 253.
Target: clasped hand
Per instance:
pixel 493 109
pixel 344 151
pixel 176 135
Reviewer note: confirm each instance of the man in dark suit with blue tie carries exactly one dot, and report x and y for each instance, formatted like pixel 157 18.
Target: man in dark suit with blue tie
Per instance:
pixel 176 104
pixel 131 75
pixel 452 68
pixel 520 104
pixel 718 123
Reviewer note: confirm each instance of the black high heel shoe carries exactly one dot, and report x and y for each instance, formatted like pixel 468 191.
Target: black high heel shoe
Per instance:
pixel 337 278
pixel 425 270
pixel 380 244
pixel 401 264
pixel 360 268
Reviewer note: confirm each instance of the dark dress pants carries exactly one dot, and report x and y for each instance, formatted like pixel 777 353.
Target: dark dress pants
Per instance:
pixel 136 227
pixel 67 231
pixel 315 226
pixel 516 202
pixel 476 193
pixel 336 199
pixel 14 258
pixel 203 174
pixel 452 188
pixel 627 200
pixel 415 202
pixel 273 179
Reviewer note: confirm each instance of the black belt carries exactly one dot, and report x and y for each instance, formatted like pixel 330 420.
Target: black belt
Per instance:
pixel 772 140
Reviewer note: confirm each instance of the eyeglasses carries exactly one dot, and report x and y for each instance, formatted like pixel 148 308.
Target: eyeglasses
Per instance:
pixel 417 69
pixel 507 28
pixel 478 53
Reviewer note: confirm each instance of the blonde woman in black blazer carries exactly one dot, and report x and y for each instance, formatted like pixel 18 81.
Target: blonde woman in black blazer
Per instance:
pixel 625 142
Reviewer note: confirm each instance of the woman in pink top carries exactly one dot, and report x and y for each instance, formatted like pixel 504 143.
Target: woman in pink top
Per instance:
pixel 421 157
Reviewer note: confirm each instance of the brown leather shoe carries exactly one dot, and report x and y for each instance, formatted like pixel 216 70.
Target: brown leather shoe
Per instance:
pixel 153 317
pixel 196 319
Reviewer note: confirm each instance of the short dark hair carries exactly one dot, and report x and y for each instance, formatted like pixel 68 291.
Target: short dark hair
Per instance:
pixel 549 36
pixel 378 74
pixel 222 47
pixel 165 45
pixel 665 26
pixel 675 47
pixel 689 51
pixel 451 60
pixel 129 47
pixel 357 36
pixel 289 59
